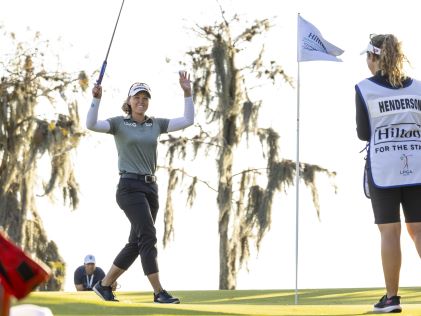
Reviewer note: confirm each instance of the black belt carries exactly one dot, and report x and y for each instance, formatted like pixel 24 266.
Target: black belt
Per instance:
pixel 148 178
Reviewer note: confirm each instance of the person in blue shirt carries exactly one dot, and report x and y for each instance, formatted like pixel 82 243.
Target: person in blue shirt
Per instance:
pixel 87 275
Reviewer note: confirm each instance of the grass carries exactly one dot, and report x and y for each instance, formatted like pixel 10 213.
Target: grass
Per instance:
pixel 329 302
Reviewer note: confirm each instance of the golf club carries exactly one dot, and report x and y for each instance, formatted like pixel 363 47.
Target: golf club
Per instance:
pixel 104 64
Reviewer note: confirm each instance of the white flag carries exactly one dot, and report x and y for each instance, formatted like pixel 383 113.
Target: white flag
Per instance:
pixel 312 45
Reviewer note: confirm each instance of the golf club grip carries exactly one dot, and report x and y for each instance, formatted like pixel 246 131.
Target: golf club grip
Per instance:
pixel 102 72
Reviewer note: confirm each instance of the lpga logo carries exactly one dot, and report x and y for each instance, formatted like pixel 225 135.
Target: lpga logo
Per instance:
pixel 405 170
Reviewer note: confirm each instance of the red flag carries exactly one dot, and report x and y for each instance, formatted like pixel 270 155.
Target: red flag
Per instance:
pixel 19 274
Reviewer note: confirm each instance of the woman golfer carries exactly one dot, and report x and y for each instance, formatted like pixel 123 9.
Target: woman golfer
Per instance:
pixel 136 137
pixel 388 114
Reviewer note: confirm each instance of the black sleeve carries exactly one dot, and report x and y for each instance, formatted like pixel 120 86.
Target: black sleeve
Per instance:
pixel 78 277
pixel 363 126
pixel 99 273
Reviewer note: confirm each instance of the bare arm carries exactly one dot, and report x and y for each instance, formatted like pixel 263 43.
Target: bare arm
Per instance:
pixel 92 122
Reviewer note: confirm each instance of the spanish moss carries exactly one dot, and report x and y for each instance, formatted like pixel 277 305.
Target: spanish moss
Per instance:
pixel 27 90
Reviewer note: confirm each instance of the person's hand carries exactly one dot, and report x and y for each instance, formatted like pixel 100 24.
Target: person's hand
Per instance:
pixel 97 91
pixel 185 83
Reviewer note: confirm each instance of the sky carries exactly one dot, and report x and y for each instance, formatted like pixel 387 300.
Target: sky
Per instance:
pixel 340 250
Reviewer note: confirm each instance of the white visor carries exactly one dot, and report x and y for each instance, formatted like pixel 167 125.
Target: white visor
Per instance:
pixel 139 87
pixel 371 49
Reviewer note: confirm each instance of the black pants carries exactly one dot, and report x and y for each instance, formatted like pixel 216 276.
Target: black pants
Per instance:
pixel 139 201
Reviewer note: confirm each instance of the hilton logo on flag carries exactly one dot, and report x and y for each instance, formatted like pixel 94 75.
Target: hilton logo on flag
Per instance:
pixel 313 42
pixel 312 45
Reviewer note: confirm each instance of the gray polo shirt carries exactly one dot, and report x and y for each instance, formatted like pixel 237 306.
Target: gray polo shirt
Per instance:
pixel 137 142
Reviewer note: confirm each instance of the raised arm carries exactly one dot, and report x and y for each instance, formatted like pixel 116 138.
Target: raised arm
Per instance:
pixel 187 119
pixel 92 122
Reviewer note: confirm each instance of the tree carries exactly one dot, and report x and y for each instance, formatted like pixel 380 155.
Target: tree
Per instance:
pixel 221 90
pixel 38 120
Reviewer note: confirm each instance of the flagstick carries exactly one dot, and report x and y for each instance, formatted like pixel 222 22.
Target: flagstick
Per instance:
pixel 297 183
pixel 4 302
pixel 310 46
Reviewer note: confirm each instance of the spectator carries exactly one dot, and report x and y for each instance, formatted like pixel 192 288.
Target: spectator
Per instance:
pixel 87 275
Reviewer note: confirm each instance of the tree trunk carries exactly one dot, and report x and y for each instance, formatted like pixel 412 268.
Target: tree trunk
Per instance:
pixel 226 280
pixel 227 75
pixel 227 255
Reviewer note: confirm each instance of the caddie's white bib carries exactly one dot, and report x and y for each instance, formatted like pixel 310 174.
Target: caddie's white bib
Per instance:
pixel 395 123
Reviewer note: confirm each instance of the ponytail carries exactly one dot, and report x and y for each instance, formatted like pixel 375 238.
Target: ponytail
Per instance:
pixel 391 58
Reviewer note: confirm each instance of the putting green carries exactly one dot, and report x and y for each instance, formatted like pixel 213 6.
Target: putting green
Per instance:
pixel 239 303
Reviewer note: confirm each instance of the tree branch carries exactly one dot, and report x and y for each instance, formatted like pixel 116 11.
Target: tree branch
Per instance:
pixel 182 171
pixel 249 170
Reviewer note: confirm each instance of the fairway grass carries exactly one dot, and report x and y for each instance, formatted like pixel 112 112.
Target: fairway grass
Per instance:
pixel 239 303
